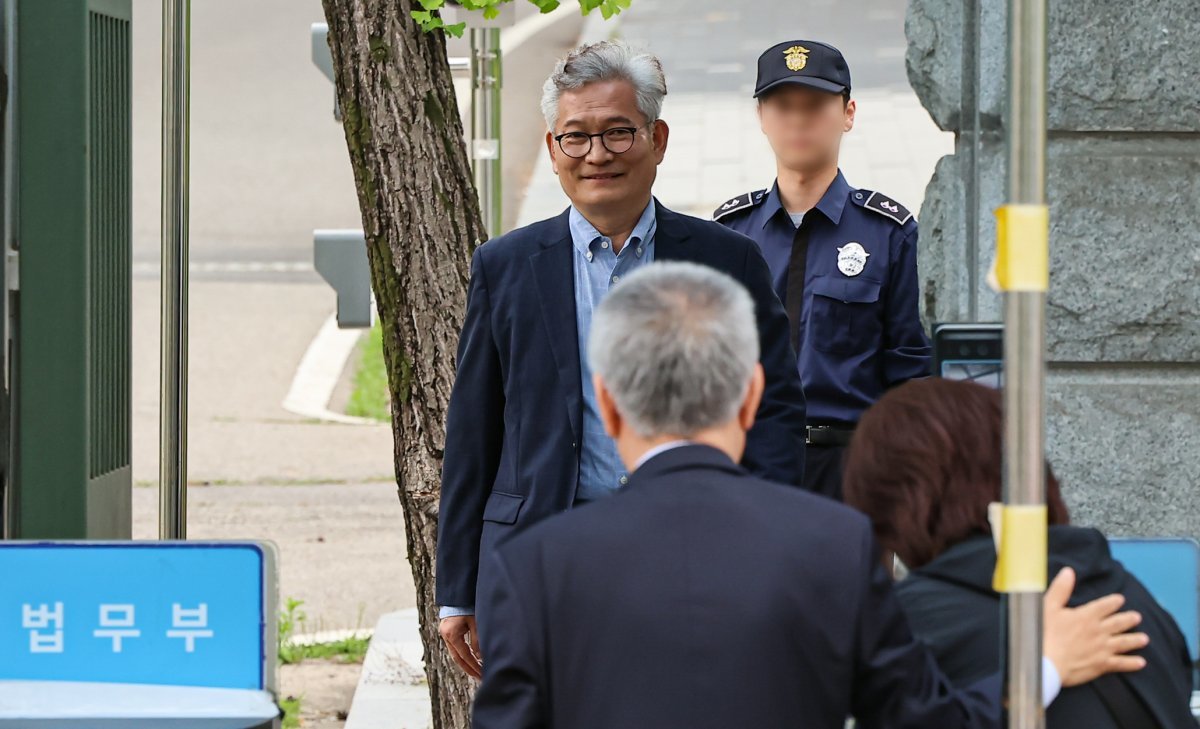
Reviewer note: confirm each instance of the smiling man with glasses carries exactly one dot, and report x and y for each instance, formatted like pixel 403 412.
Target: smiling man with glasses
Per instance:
pixel 578 145
pixel 524 438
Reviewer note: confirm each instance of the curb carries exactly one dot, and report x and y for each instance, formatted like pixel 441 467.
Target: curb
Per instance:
pixel 391 692
pixel 329 636
pixel 318 372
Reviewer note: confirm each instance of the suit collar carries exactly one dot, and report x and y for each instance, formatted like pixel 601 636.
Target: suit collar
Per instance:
pixel 684 458
pixel 658 450
pixel 670 235
pixel 559 230
pixel 552 275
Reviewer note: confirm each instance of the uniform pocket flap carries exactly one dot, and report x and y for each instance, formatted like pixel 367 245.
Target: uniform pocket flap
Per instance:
pixel 503 508
pixel 848 290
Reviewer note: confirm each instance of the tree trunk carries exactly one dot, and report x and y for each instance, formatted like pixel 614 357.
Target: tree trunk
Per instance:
pixel 421 219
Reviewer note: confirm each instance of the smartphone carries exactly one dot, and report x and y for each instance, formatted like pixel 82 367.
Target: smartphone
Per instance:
pixel 969 351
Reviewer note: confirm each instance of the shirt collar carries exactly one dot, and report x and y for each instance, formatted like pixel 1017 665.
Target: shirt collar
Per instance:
pixel 659 449
pixel 584 235
pixel 831 203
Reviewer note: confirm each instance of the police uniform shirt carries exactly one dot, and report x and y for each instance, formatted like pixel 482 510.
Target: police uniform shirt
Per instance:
pixel 859 331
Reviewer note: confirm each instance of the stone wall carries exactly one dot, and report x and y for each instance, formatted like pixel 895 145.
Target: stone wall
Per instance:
pixel 1123 330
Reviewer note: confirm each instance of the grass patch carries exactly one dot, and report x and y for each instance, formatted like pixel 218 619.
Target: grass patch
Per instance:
pixel 346 650
pixel 370 398
pixel 290 617
pixel 291 712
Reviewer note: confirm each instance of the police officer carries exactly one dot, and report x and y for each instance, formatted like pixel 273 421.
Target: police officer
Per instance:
pixel 843 260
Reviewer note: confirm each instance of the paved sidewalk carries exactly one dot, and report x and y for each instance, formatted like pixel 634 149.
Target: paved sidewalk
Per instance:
pixel 246 338
pixel 341 546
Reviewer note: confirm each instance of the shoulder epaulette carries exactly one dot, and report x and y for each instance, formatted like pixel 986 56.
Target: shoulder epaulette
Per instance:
pixel 885 206
pixel 741 202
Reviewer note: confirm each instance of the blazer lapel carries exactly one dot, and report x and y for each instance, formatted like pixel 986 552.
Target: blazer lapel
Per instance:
pixel 670 234
pixel 555 280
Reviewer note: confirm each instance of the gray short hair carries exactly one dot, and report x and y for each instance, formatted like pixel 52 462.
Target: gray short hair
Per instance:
pixel 606 61
pixel 676 345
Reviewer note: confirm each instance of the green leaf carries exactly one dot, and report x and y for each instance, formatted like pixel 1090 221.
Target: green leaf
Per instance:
pixel 608 8
pixel 491 9
pixel 428 20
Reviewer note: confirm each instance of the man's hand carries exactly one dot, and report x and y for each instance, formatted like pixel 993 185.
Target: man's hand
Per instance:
pixel 1091 640
pixel 463 641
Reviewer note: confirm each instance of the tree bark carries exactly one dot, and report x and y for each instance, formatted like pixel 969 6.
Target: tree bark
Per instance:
pixel 421 221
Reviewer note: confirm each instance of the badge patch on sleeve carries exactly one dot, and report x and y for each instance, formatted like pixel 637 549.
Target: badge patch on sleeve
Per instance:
pixel 888 208
pixel 741 202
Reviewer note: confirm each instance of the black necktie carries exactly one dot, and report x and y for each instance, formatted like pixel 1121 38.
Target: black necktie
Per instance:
pixel 793 301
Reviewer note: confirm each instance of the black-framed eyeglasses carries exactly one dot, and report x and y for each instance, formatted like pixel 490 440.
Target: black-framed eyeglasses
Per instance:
pixel 617 140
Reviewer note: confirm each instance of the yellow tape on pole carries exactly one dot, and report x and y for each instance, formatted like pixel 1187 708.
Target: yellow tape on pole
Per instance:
pixel 1021 549
pixel 1023 247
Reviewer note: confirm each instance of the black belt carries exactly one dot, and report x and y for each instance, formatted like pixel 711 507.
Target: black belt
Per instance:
pixel 829 435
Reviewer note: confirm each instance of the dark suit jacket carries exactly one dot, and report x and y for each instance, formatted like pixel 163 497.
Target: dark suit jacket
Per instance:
pixel 952 607
pixel 513 429
pixel 703 597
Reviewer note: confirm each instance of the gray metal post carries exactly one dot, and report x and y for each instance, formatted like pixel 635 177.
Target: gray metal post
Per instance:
pixel 9 280
pixel 486 82
pixel 172 496
pixel 1024 349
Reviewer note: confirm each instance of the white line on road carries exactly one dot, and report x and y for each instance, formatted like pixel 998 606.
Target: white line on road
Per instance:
pixel 153 267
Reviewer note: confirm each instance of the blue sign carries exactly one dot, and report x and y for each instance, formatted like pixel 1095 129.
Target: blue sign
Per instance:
pixel 1168 569
pixel 183 614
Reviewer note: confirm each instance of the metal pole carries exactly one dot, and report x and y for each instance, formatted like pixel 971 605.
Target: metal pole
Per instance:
pixel 10 284
pixel 485 125
pixel 172 494
pixel 1024 350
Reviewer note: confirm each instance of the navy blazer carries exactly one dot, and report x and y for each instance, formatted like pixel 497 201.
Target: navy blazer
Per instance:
pixel 701 597
pixel 513 427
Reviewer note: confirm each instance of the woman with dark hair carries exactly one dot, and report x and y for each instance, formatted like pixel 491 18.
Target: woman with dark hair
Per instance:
pixel 924 464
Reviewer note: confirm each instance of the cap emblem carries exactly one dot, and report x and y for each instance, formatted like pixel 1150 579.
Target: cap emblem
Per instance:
pixel 797 58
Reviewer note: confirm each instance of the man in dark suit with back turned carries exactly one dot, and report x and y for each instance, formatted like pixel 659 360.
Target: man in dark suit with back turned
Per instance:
pixel 701 597
pixel 523 436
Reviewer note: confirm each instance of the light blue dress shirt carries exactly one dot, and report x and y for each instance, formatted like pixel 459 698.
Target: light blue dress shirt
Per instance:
pixel 598 269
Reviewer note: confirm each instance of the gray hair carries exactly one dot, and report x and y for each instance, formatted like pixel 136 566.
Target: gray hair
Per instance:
pixel 606 61
pixel 676 345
